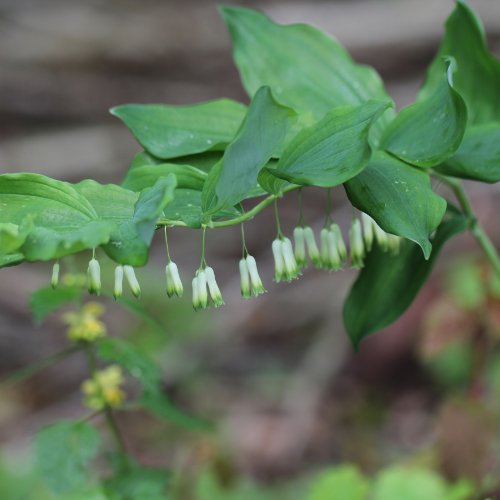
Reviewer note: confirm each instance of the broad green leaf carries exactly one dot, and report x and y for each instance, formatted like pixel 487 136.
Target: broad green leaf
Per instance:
pixel 65 218
pixel 429 131
pixel 134 216
pixel 159 404
pixel 340 483
pixel 138 483
pixel 171 131
pixel 387 284
pixel 203 161
pixel 47 300
pixel 11 259
pixel 12 236
pixel 188 177
pixel 63 451
pixel 399 197
pixel 261 136
pixel 269 182
pixel 477 78
pixel 478 157
pixel 309 70
pixel 331 151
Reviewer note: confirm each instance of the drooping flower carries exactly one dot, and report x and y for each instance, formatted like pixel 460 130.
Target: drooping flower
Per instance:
pixel 215 293
pixel 257 286
pixel 132 280
pixel 54 280
pixel 368 230
pixel 174 283
pixel 299 247
pixel 330 257
pixel 202 289
pixel 279 263
pixel 312 247
pixel 196 293
pixel 381 236
pixel 339 241
pixel 118 287
pixel 394 243
pixel 94 277
pixel 357 244
pixel 244 279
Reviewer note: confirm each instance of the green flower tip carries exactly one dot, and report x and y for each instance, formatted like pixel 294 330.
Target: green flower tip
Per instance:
pixel 174 283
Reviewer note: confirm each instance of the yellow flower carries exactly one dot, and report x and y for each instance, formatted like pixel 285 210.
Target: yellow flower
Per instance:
pixel 85 325
pixel 104 389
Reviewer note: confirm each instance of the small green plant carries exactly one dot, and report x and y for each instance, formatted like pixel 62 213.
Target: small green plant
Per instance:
pixel 315 119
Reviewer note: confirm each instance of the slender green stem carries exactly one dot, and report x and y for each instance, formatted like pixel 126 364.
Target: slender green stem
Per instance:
pixel 250 214
pixel 277 217
pixel 202 260
pixel 108 412
pixel 243 241
pixel 301 209
pixel 476 229
pixel 39 366
pixel 166 244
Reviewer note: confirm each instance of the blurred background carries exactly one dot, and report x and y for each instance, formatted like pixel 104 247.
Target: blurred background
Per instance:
pixel 277 375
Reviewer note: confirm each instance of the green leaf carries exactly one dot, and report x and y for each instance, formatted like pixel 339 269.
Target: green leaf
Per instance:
pixel 145 176
pixel 63 451
pixel 387 284
pixel 477 78
pixel 308 70
pixel 63 221
pixel 134 216
pixel 158 403
pixel 138 364
pixel 399 197
pixel 412 484
pixel 331 151
pixel 138 483
pixel 478 157
pixel 340 483
pixel 261 136
pixel 48 300
pixel 429 131
pixel 65 218
pixel 171 131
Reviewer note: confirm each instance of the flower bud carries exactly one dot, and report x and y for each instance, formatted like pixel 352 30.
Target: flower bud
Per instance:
pixel 213 288
pixel 339 241
pixel 335 261
pixel 196 294
pixel 94 277
pixel 132 280
pixel 291 269
pixel 299 247
pixel 368 230
pixel 174 283
pixel 202 290
pixel 257 286
pixel 357 244
pixel 381 236
pixel 279 263
pixel 54 280
pixel 245 279
pixel 118 288
pixel 394 242
pixel 312 247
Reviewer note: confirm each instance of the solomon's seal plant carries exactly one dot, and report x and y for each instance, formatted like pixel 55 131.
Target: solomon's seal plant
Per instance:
pixel 314 118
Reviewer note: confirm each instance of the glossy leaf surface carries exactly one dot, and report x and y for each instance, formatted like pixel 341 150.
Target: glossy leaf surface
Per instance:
pixel 388 284
pixel 171 131
pixel 399 197
pixel 429 131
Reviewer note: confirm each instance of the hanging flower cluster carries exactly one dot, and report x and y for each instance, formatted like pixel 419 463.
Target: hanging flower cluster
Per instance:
pixel 289 261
